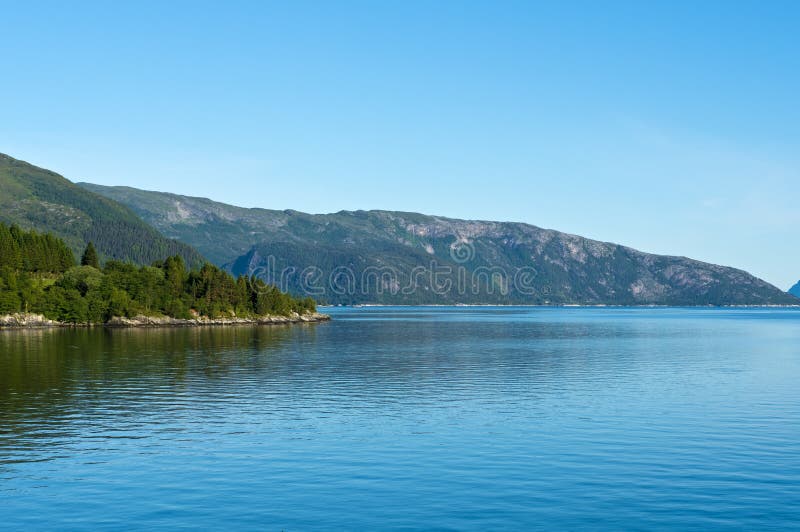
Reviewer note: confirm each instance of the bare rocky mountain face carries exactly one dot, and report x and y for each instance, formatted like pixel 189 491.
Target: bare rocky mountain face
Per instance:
pixel 386 257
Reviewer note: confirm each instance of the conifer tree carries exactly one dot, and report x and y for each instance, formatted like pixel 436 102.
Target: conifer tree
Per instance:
pixel 90 257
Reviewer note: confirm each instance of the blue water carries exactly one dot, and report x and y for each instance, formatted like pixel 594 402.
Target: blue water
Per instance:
pixel 413 418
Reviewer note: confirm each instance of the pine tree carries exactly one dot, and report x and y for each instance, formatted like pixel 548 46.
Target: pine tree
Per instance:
pixel 90 257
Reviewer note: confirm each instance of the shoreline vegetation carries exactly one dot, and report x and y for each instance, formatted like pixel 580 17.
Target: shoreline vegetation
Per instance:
pixel 42 286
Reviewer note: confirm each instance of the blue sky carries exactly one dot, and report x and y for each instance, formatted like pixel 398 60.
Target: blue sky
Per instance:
pixel 673 128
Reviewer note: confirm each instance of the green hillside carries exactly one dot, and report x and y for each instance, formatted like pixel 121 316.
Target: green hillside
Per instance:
pixel 35 198
pixel 224 232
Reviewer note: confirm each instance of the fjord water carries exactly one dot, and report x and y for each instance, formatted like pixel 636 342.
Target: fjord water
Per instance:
pixel 446 418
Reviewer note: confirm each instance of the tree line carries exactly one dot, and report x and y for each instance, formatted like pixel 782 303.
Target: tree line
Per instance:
pixel 38 274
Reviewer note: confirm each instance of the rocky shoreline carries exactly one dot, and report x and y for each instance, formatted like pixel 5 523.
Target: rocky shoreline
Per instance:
pixel 37 321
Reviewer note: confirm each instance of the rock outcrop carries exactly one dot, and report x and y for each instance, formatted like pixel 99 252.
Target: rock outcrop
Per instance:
pixel 28 321
pixel 166 321
pixel 37 321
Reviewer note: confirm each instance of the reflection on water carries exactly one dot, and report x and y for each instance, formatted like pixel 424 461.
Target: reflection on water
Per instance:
pixel 446 417
pixel 58 375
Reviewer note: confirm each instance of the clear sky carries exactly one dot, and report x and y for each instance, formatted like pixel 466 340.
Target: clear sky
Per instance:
pixel 673 128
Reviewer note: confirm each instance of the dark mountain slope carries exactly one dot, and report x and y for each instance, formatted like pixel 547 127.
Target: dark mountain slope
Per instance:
pixel 795 290
pixel 407 258
pixel 35 198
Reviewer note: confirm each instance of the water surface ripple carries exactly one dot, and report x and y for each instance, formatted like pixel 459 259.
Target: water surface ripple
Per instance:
pixel 414 418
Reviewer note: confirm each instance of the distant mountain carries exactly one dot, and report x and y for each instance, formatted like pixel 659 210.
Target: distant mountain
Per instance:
pixel 407 258
pixel 795 290
pixel 35 198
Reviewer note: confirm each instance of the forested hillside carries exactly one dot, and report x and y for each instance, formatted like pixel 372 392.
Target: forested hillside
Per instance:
pixel 38 275
pixel 31 252
pixel 34 198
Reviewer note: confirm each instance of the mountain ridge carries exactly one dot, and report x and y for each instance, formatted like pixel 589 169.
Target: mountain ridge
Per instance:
pixel 389 257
